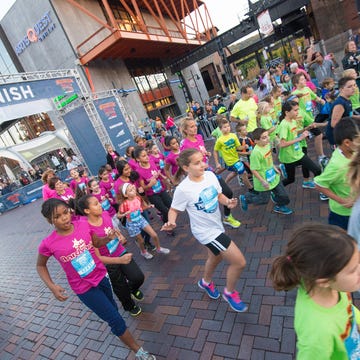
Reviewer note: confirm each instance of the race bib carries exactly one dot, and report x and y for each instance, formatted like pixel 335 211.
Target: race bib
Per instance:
pixel 239 167
pixel 112 245
pixel 84 264
pixel 308 106
pixel 270 175
pixel 135 215
pixel 113 193
pixel 352 342
pixel 105 205
pixel 157 187
pixel 161 164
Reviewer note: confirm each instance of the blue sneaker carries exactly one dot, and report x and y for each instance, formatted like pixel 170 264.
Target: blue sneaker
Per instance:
pixel 210 289
pixel 323 197
pixel 235 302
pixel 243 202
pixel 308 185
pixel 282 210
pixel 283 171
pixel 272 197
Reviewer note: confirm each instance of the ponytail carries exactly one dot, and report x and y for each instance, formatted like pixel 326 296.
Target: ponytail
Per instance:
pixel 184 159
pixel 354 169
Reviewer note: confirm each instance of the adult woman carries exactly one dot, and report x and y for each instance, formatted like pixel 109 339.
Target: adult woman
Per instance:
pixel 111 155
pixel 351 60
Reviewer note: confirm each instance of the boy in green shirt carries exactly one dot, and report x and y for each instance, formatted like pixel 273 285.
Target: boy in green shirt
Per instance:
pixel 333 181
pixel 266 177
pixel 228 145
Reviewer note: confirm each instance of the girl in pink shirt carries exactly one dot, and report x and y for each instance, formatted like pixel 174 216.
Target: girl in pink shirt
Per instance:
pixel 62 191
pixel 125 275
pixel 132 207
pixel 107 183
pixel 72 245
pixel 47 193
pixel 77 180
pixel 171 165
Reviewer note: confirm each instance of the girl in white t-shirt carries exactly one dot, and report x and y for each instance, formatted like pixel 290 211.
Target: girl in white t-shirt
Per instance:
pixel 72 245
pixel 200 194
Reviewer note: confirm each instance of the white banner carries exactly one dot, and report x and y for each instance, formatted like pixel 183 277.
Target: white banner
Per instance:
pixel 265 24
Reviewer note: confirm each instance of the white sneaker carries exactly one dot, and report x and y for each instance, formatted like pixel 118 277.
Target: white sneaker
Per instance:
pixel 144 355
pixel 147 255
pixel 162 250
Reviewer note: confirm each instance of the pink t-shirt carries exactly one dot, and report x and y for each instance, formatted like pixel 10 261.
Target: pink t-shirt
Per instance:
pixel 133 164
pixel 159 161
pixel 198 144
pixel 134 206
pixel 66 196
pixel 114 247
pixel 171 160
pixel 108 187
pixel 81 183
pixel 76 255
pixel 48 193
pixel 105 202
pixel 146 175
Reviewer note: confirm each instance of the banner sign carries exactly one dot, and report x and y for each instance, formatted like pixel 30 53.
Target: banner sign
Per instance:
pixel 28 91
pixel 86 139
pixel 115 123
pixel 265 24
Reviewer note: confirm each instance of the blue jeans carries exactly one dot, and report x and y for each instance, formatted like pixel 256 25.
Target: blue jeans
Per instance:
pixel 100 300
pixel 281 197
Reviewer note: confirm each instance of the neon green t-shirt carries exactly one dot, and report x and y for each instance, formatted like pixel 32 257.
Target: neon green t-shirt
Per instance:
pixel 227 145
pixel 243 109
pixel 216 133
pixel 355 100
pixel 261 160
pixel 277 107
pixel 334 178
pixel 287 130
pixel 267 122
pixel 320 331
pixel 305 104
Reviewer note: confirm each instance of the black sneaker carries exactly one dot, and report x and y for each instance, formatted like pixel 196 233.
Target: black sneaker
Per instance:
pixel 135 311
pixel 137 295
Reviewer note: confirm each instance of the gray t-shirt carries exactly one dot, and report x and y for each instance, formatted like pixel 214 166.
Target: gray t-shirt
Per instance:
pixel 354 222
pixel 325 70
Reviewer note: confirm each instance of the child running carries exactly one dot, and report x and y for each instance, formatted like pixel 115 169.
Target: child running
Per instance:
pixel 171 165
pixel 72 245
pixel 322 261
pixel 125 275
pixel 200 194
pixel 266 177
pixel 132 207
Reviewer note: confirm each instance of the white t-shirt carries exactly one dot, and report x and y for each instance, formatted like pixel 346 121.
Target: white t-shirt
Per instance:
pixel 200 200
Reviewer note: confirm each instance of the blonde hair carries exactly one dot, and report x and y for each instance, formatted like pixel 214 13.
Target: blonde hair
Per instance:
pixel 45 175
pixel 184 124
pixel 354 169
pixel 262 105
pixel 348 72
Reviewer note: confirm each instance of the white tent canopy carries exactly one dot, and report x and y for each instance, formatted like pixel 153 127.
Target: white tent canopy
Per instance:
pixel 30 150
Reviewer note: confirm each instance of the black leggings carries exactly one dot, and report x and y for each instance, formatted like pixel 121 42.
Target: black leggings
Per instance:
pixel 227 192
pixel 306 163
pixel 162 201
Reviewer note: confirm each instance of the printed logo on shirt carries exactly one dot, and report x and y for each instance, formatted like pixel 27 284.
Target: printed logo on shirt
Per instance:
pixel 105 205
pixel 229 144
pixel 208 200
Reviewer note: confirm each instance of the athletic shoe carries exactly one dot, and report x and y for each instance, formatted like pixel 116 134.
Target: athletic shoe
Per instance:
pixel 283 171
pixel 210 289
pixel 135 311
pixel 243 202
pixel 149 246
pixel 231 221
pixel 137 295
pixel 323 197
pixel 308 185
pixel 272 197
pixel 235 302
pixel 241 183
pixel 144 355
pixel 323 162
pixel 147 255
pixel 282 210
pixel 162 250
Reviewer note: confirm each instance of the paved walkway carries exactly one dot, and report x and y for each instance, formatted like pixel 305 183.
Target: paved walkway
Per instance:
pixel 178 321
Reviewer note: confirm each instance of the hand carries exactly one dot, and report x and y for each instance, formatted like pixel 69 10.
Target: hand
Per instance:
pixel 59 292
pixel 126 258
pixel 168 227
pixel 305 134
pixel 111 234
pixel 152 181
pixel 265 184
pixel 348 202
pixel 231 203
pixel 322 101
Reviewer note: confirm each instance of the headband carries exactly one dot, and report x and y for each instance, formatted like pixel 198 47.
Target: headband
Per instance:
pixel 124 188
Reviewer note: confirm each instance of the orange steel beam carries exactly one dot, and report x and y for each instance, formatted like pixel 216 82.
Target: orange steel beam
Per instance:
pixel 175 22
pixel 190 17
pixel 208 17
pixel 161 18
pixel 206 29
pixel 162 24
pixel 139 16
pixel 110 13
pixel 87 12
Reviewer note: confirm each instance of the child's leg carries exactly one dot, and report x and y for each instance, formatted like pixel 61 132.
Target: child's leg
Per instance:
pixel 140 241
pixel 281 197
pixel 148 229
pixel 230 176
pixel 133 274
pixel 290 171
pixel 305 170
pixel 211 263
pixel 158 201
pixel 310 165
pixel 246 180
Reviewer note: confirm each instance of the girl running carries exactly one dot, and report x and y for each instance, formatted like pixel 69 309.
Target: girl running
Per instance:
pixel 326 321
pixel 200 194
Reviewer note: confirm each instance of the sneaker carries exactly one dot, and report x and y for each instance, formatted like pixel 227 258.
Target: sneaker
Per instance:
pixel 162 250
pixel 137 295
pixel 235 302
pixel 283 171
pixel 210 289
pixel 241 183
pixel 144 355
pixel 282 210
pixel 323 162
pixel 308 185
pixel 323 197
pixel 243 202
pixel 135 311
pixel 149 246
pixel 272 197
pixel 231 221
pixel 147 255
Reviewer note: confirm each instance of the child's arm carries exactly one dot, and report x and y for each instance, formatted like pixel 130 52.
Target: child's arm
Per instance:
pixel 224 200
pixel 264 183
pixel 101 241
pixel 108 260
pixel 285 143
pixel 216 158
pixel 151 183
pixel 346 202
pixel 171 224
pixel 41 267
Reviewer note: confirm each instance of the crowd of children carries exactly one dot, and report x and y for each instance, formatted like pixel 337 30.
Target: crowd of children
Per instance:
pixel 269 143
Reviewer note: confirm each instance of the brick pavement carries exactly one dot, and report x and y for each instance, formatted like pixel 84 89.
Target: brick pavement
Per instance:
pixel 178 321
